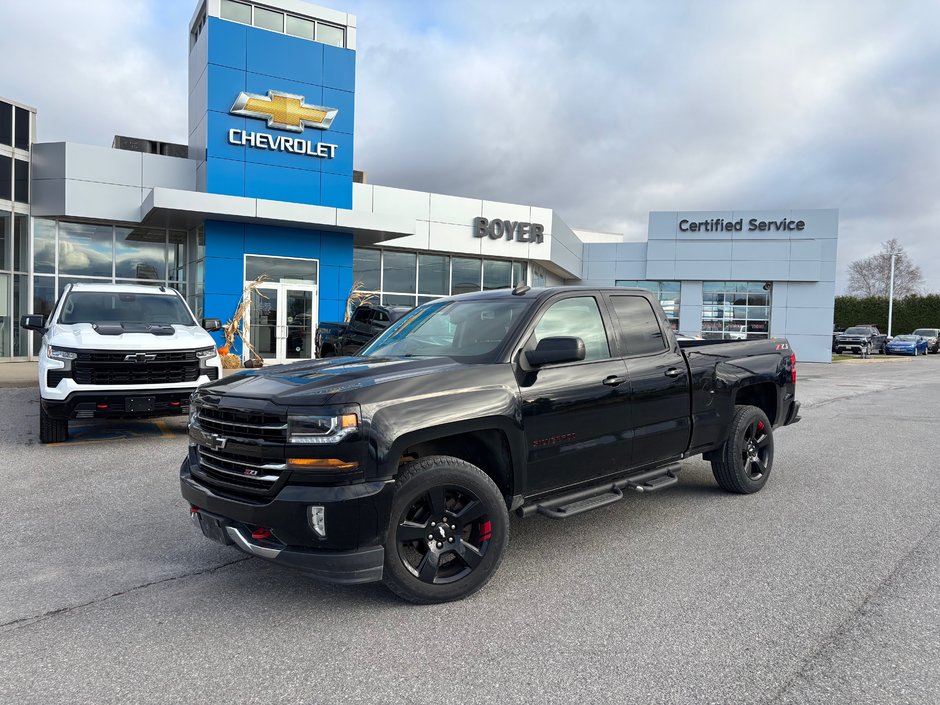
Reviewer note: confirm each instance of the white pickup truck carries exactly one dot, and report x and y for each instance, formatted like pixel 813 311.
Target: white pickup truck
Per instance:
pixel 119 350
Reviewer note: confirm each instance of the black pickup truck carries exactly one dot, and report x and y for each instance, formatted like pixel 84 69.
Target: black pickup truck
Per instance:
pixel 367 321
pixel 863 339
pixel 403 463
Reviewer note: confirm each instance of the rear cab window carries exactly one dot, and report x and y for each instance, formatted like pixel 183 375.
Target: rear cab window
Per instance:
pixel 640 326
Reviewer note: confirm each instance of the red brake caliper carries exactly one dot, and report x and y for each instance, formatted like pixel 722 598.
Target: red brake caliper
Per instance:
pixel 486 530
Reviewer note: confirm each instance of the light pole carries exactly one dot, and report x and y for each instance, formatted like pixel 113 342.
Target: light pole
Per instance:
pixel 891 296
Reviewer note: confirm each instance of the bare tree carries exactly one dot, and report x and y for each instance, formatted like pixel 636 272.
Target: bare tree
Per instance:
pixel 871 276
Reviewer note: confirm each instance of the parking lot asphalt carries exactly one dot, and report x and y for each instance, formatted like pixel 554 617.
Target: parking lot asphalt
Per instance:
pixel 824 587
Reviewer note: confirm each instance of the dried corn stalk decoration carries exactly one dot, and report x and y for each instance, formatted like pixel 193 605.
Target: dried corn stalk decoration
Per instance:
pixel 355 299
pixel 235 325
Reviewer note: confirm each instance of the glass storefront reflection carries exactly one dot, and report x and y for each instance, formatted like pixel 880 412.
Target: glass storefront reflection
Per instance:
pixel 85 249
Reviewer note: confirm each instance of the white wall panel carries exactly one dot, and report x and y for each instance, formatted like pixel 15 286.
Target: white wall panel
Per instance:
pixel 456 210
pixel 396 201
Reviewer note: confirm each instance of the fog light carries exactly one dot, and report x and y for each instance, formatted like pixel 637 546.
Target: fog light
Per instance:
pixel 317 518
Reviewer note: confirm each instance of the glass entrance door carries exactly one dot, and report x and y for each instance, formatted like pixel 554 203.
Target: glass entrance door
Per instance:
pixel 282 321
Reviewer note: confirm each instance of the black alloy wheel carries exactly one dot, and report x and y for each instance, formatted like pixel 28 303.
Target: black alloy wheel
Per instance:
pixel 448 529
pixel 743 464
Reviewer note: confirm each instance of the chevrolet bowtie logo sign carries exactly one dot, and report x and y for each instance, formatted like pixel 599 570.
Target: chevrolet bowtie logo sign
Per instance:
pixel 284 111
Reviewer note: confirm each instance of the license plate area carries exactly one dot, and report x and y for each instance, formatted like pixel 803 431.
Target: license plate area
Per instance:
pixel 213 529
pixel 139 404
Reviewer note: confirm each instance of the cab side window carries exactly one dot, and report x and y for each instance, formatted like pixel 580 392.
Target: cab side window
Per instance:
pixel 642 334
pixel 578 317
pixel 362 315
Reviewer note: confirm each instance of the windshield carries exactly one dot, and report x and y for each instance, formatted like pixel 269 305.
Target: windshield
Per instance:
pixel 926 332
pixel 114 307
pixel 469 330
pixel 906 338
pixel 858 331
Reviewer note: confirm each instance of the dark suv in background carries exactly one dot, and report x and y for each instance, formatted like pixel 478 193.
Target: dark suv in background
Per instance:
pixel 861 339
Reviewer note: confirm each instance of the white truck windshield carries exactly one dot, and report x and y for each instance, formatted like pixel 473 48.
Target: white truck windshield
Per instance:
pixel 115 307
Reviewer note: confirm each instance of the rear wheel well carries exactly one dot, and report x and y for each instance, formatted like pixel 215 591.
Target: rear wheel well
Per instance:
pixel 488 450
pixel 763 396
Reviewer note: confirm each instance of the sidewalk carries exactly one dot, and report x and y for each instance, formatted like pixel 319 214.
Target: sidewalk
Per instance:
pixel 19 374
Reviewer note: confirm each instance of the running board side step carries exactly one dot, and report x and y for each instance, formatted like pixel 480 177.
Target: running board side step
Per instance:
pixel 580 501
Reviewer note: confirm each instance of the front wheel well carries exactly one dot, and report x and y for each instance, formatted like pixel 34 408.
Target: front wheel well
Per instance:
pixel 487 449
pixel 763 396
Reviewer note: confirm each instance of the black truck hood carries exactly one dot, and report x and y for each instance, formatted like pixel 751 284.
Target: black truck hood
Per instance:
pixel 327 380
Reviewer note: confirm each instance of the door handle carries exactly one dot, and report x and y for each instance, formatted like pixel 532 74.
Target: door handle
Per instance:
pixel 673 372
pixel 614 381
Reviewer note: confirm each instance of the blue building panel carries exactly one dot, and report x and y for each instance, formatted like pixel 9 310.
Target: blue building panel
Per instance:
pixel 336 190
pixel 224 84
pixel 261 84
pixel 282 242
pixel 227 43
pixel 332 310
pixel 279 183
pixel 339 68
pixel 342 163
pixel 345 102
pixel 225 176
pixel 282 56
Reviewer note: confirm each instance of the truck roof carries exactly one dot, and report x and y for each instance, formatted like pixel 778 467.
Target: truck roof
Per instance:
pixel 125 289
pixel 544 292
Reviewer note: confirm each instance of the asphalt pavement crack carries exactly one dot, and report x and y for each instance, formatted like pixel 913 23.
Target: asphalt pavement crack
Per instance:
pixel 20 622
pixel 832 639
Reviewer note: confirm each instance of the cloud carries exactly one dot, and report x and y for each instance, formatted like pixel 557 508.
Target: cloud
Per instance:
pixel 603 111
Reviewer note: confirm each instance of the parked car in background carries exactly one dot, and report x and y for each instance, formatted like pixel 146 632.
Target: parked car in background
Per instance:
pixel 907 345
pixel 861 338
pixel 836 332
pixel 933 338
pixel 338 339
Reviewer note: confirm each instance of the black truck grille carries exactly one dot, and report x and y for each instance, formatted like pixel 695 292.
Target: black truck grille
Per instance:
pixel 226 468
pixel 93 367
pixel 243 424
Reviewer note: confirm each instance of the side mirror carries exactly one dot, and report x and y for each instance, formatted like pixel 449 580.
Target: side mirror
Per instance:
pixel 33 321
pixel 554 350
pixel 212 324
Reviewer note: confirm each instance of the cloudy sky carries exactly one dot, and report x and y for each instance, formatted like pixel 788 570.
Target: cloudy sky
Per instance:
pixel 603 110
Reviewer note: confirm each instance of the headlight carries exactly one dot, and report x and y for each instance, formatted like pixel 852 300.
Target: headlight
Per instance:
pixel 321 429
pixel 206 353
pixel 59 354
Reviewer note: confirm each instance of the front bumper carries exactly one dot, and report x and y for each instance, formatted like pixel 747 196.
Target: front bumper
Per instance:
pixel 119 404
pixel 356 523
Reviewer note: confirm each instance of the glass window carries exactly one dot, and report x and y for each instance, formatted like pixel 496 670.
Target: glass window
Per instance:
pixel 362 315
pixel 667 293
pixel 277 269
pixel 497 274
pixel 176 254
pixel 140 253
pixel 113 307
pixel 538 276
pixel 22 129
pixel 6 234
pixel 86 249
pixel 433 274
pixel 236 11
pixel 398 272
pixel 466 275
pixel 43 246
pixel 6 178
pixel 65 281
pixel 43 301
pixel 367 269
pixel 6 124
pixel 300 27
pixel 578 317
pixel 328 34
pixel 21 181
pixel 641 332
pixel 6 316
pixel 735 310
pixel 518 273
pixel 398 300
pixel 269 19
pixel 21 243
pixel 21 305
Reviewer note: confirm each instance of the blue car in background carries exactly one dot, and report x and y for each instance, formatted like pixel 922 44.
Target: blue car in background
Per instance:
pixel 907 345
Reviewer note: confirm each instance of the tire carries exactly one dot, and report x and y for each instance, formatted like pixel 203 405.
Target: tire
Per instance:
pixel 52 430
pixel 472 540
pixel 743 464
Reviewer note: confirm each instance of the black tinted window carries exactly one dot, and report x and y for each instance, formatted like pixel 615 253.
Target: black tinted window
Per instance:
pixel 21 181
pixel 22 129
pixel 362 315
pixel 114 307
pixel 6 124
pixel 642 334
pixel 6 178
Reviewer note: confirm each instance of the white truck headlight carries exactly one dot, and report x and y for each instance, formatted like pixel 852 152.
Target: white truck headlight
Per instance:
pixel 60 354
pixel 321 429
pixel 206 353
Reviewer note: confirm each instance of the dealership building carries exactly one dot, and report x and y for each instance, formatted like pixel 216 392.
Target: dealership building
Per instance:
pixel 266 186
